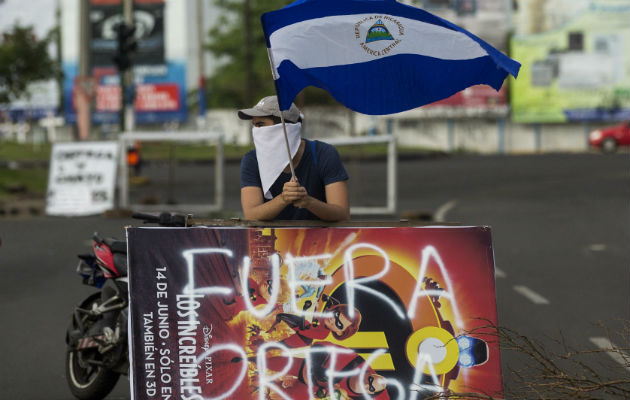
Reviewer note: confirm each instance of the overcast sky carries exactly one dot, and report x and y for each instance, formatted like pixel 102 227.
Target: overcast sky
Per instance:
pixel 39 13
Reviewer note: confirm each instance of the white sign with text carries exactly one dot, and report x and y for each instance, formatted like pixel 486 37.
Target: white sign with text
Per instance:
pixel 82 178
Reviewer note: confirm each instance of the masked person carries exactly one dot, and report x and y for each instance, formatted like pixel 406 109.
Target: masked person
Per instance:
pixel 267 190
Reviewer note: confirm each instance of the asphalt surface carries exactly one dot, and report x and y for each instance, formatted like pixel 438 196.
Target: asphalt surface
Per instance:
pixel 560 225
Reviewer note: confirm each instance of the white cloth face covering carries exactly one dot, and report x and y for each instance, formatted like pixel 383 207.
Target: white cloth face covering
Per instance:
pixel 271 151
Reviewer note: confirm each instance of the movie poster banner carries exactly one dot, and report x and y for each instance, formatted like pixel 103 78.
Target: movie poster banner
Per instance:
pixel 312 313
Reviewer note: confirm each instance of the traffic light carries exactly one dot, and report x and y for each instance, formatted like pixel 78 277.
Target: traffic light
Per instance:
pixel 127 45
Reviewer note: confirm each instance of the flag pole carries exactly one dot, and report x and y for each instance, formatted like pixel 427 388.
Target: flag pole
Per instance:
pixel 286 141
pixel 284 126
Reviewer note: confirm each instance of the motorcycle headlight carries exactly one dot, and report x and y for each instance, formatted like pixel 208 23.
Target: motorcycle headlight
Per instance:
pixel 596 135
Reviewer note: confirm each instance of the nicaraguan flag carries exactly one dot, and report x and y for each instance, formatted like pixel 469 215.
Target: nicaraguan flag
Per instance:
pixel 376 56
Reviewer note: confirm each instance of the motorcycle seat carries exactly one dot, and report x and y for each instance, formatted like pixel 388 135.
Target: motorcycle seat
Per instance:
pixel 116 246
pixel 120 261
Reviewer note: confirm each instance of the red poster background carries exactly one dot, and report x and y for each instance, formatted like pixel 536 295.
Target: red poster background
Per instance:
pixel 170 264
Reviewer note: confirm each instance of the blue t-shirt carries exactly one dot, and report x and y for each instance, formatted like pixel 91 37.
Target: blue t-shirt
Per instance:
pixel 313 174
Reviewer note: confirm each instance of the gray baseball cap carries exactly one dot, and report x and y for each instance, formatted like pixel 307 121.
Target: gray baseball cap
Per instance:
pixel 269 106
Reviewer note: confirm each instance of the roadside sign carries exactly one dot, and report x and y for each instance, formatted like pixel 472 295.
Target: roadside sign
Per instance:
pixel 82 178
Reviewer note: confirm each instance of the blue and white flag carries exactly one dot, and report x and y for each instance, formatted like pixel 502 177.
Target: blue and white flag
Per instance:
pixel 376 56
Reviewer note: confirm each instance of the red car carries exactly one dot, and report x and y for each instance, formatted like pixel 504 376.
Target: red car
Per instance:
pixel 609 138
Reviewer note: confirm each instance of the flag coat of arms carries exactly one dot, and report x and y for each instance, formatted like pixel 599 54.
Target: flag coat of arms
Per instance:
pixel 376 56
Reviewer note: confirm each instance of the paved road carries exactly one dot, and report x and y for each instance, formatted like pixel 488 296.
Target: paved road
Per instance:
pixel 560 226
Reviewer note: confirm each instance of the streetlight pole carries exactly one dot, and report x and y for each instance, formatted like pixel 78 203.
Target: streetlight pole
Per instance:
pixel 202 72
pixel 83 92
pixel 249 53
pixel 127 120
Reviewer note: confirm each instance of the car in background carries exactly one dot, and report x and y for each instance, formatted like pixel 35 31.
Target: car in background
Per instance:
pixel 608 139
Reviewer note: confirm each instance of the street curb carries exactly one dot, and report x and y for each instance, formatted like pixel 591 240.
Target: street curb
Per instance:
pixel 27 164
pixel 22 208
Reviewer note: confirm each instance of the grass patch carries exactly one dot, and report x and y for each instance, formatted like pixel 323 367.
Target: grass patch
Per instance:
pixel 13 151
pixel 187 152
pixel 35 180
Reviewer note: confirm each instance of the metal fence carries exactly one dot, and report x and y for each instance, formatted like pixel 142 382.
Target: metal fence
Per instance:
pixel 128 138
pixel 391 198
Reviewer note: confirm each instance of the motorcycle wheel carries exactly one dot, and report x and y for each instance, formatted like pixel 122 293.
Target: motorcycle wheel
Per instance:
pixel 86 380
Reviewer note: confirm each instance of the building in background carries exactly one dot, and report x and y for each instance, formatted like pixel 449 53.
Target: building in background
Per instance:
pixel 576 61
pixel 575 75
pixel 490 20
pixel 166 67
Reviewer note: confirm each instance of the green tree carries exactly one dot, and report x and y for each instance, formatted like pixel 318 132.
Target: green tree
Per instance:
pixel 24 59
pixel 237 38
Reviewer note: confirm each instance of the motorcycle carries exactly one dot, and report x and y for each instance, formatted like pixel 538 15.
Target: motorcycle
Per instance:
pixel 96 338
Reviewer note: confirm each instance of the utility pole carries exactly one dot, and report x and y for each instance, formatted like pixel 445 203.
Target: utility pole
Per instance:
pixel 509 16
pixel 127 121
pixel 59 51
pixel 202 68
pixel 249 54
pixel 83 91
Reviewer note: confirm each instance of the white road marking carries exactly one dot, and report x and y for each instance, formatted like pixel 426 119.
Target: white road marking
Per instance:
pixel 499 273
pixel 440 214
pixel 531 295
pixel 619 356
pixel 597 247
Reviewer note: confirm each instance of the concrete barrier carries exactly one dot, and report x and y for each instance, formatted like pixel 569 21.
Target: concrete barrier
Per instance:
pixel 22 207
pixel 479 131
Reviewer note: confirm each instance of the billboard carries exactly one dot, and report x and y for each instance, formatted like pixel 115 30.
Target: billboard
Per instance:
pixel 149 23
pixel 576 62
pixel 41 101
pixel 312 313
pixel 159 71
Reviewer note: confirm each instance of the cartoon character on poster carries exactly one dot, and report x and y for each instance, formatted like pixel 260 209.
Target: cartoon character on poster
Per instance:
pixel 351 321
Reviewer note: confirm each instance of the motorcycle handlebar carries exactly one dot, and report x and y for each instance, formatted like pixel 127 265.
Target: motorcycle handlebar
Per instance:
pixel 164 219
pixel 147 218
